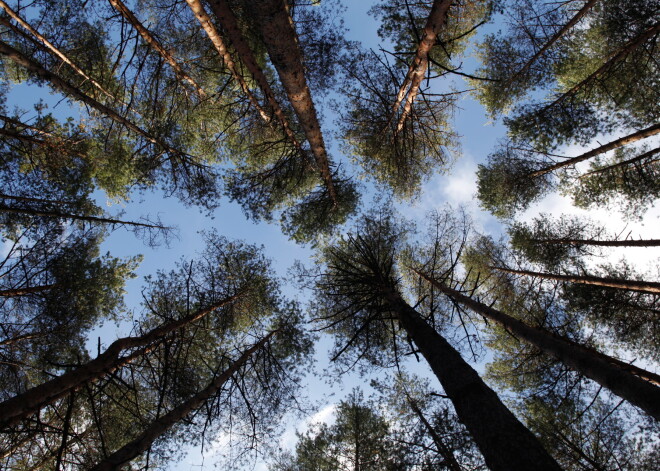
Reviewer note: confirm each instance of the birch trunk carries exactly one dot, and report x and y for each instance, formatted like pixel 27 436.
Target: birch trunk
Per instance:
pixel 161 425
pixel 505 443
pixel 19 407
pixel 637 386
pixel 631 285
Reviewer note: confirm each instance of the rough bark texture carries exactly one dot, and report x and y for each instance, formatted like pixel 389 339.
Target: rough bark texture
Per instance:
pixel 205 20
pixel 573 21
pixel 622 141
pixel 10 293
pixel 279 35
pixel 434 24
pixel 626 381
pixel 157 46
pixel 229 23
pixel 29 402
pixel 77 217
pixel 505 443
pixel 631 285
pixel 625 163
pixel 52 48
pixel 164 423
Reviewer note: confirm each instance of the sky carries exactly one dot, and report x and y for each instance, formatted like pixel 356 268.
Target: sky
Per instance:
pixel 457 188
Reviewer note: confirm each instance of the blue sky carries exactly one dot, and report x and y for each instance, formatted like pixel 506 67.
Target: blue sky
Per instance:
pixel 478 137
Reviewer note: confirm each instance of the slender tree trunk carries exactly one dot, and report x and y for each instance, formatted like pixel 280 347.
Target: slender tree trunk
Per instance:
pixel 631 285
pixel 18 407
pixel 158 47
pixel 281 42
pixel 611 60
pixel 65 87
pixel 622 141
pixel 10 293
pixel 434 24
pixel 200 13
pixel 505 443
pixel 625 163
pixel 601 243
pixel 161 425
pixel 76 217
pixel 27 199
pixel 637 386
pixel 567 27
pixel 443 450
pixel 52 48
pixel 229 23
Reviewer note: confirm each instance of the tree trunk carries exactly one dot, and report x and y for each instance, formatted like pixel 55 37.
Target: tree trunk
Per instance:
pixel 631 285
pixel 18 407
pixel 200 13
pixel 434 24
pixel 10 293
pixel 51 47
pixel 161 425
pixel 622 141
pixel 637 386
pixel 625 163
pixel 601 243
pixel 573 21
pixel 281 42
pixel 158 47
pixel 612 59
pixel 505 443
pixel 62 85
pixel 76 217
pixel 229 23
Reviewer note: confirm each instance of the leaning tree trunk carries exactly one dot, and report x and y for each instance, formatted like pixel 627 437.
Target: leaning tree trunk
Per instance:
pixel 51 47
pixel 617 56
pixel 630 285
pixel 229 23
pixel 600 243
pixel 637 386
pixel 149 38
pixel 161 425
pixel 279 35
pixel 622 141
pixel 505 443
pixel 18 407
pixel 625 163
pixel 410 87
pixel 75 217
pixel 558 35
pixel 10 293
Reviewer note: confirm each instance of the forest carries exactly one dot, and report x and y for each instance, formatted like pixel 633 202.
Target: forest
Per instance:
pixel 307 235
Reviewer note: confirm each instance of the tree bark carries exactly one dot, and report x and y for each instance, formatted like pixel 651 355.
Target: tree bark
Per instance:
pixel 65 87
pixel 200 13
pixel 434 24
pixel 229 23
pixel 625 163
pixel 636 385
pixel 505 443
pixel 631 285
pixel 622 141
pixel 51 47
pixel 125 12
pixel 280 39
pixel 573 21
pixel 161 425
pixel 10 293
pixel 77 217
pixel 601 243
pixel 18 407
